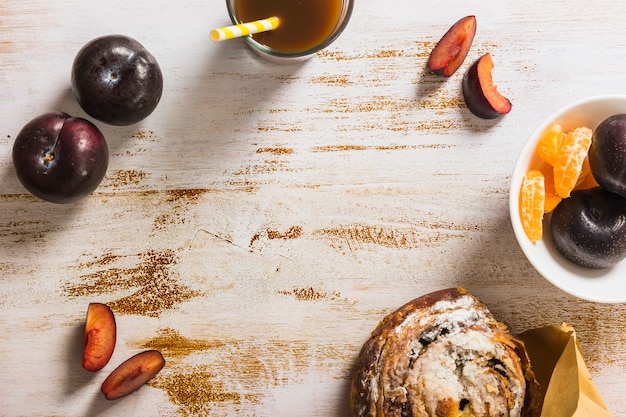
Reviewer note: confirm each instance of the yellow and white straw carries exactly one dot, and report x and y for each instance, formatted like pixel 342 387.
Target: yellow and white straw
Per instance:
pixel 244 29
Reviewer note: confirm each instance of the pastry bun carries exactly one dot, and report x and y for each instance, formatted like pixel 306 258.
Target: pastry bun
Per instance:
pixel 444 355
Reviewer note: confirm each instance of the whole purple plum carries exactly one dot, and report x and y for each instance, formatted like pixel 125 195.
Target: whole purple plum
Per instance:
pixel 116 80
pixel 589 228
pixel 607 154
pixel 60 158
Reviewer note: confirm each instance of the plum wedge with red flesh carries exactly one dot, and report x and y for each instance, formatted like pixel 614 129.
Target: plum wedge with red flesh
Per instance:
pixel 451 50
pixel 132 374
pixel 100 337
pixel 480 93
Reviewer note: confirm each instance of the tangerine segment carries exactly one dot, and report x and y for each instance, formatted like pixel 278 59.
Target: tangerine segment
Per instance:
pixel 552 199
pixel 584 171
pixel 586 179
pixel 532 201
pixel 570 159
pixel 550 143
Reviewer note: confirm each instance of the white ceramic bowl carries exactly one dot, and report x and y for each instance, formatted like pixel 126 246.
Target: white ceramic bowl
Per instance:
pixel 604 285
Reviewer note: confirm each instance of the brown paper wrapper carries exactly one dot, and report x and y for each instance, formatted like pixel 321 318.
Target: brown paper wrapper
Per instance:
pixel 559 366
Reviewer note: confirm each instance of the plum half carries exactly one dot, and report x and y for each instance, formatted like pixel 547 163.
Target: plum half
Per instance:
pixel 480 93
pixel 452 48
pixel 589 228
pixel 607 154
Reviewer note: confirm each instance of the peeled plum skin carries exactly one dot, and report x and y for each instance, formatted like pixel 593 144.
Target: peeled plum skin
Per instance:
pixel 589 228
pixel 607 154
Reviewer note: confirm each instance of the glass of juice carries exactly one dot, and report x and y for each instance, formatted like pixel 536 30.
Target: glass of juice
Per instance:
pixel 305 26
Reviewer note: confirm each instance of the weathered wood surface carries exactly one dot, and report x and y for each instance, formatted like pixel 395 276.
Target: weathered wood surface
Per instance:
pixel 258 225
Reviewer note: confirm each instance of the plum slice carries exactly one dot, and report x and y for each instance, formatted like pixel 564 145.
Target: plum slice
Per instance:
pixel 452 48
pixel 480 94
pixel 132 374
pixel 100 336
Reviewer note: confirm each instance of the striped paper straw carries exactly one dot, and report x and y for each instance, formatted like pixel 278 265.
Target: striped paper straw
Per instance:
pixel 244 29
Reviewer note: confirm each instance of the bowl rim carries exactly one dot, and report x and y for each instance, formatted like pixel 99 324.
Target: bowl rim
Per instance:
pixel 588 284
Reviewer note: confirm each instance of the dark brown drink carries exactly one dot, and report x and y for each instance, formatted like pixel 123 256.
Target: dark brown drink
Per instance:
pixel 304 24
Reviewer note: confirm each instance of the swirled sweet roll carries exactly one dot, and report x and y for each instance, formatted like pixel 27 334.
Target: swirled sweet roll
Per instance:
pixel 444 355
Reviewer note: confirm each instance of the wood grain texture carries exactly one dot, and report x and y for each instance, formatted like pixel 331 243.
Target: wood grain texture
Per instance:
pixel 262 221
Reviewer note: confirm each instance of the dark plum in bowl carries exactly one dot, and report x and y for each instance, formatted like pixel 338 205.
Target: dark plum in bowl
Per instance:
pixel 116 80
pixel 589 228
pixel 607 154
pixel 60 158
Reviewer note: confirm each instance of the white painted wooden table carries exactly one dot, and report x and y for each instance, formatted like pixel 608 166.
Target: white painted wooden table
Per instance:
pixel 258 225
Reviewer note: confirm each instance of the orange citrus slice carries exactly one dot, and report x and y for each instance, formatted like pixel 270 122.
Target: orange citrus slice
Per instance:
pixel 570 159
pixel 550 143
pixel 532 201
pixel 584 170
pixel 586 179
pixel 552 199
